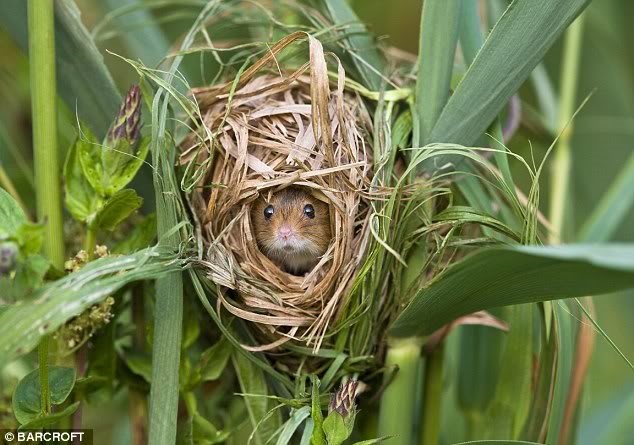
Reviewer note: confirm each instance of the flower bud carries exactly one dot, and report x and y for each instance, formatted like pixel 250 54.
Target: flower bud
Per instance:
pixel 127 124
pixel 343 399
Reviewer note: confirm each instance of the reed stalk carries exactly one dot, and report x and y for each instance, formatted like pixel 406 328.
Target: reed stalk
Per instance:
pixel 44 112
pixel 561 167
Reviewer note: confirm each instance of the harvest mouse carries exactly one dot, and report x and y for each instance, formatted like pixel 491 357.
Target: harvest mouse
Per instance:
pixel 292 228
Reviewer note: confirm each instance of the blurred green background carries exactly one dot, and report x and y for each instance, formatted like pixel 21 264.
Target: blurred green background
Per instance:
pixel 602 143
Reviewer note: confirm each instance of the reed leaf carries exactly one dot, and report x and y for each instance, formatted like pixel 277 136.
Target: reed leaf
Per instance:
pixel 519 40
pixel 83 80
pixel 513 275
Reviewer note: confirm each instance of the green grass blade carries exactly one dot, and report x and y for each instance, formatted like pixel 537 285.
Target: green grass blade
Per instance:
pixel 22 325
pixel 612 208
pixel 514 275
pixel 519 40
pixel 438 39
pixel 83 80
pixel 362 47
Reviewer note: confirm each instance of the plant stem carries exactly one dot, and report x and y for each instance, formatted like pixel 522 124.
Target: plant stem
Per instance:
pixel 44 112
pixel 561 166
pixel 398 402
pixel 90 242
pixel 42 352
pixel 432 391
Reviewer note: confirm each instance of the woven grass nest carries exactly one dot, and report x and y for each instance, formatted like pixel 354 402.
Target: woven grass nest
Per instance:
pixel 268 130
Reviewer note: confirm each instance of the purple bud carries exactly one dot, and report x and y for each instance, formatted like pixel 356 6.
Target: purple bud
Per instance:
pixel 343 399
pixel 8 255
pixel 127 124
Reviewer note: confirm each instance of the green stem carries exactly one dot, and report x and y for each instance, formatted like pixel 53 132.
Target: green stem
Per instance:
pixel 432 391
pixel 45 401
pixel 562 162
pixel 44 112
pixel 398 403
pixel 90 242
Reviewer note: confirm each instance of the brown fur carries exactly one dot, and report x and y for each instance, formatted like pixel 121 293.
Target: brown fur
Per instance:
pixel 313 234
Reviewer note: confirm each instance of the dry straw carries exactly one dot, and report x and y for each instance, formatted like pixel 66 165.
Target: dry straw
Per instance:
pixel 262 132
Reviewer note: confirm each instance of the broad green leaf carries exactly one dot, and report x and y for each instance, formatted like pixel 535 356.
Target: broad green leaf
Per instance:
pixel 438 38
pixel 613 207
pixel 141 236
pixel 89 154
pixel 121 163
pixel 11 215
pixel 514 275
pixel 140 364
pixel 30 238
pixel 27 395
pixel 205 432
pixel 359 43
pixel 29 276
pixel 23 324
pixel 50 419
pixel 514 47
pixel 253 386
pixel 214 360
pixel 117 208
pixel 83 79
pixel 82 201
pixel 337 429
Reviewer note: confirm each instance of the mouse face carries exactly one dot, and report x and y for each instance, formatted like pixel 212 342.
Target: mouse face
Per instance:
pixel 292 228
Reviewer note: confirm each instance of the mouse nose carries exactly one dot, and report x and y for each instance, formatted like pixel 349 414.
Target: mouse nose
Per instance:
pixel 285 231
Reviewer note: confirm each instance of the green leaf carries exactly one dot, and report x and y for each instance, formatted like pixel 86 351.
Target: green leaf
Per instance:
pixel 141 236
pixel 519 40
pixel 50 419
pixel 11 215
pixel 30 238
pixel 27 395
pixel 359 43
pixel 214 360
pixel 514 275
pixel 117 208
pixel 205 432
pixel 29 276
pixel 337 429
pixel 318 437
pixel 22 325
pixel 296 418
pixel 83 79
pixel 253 385
pixel 140 364
pixel 121 163
pixel 82 201
pixel 497 442
pixel 89 154
pixel 438 38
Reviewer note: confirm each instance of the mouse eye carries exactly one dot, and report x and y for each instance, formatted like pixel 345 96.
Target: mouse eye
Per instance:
pixel 268 211
pixel 309 211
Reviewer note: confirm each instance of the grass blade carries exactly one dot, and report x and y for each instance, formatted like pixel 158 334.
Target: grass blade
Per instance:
pixel 362 47
pixel 22 325
pixel 83 80
pixel 438 39
pixel 514 275
pixel 519 39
